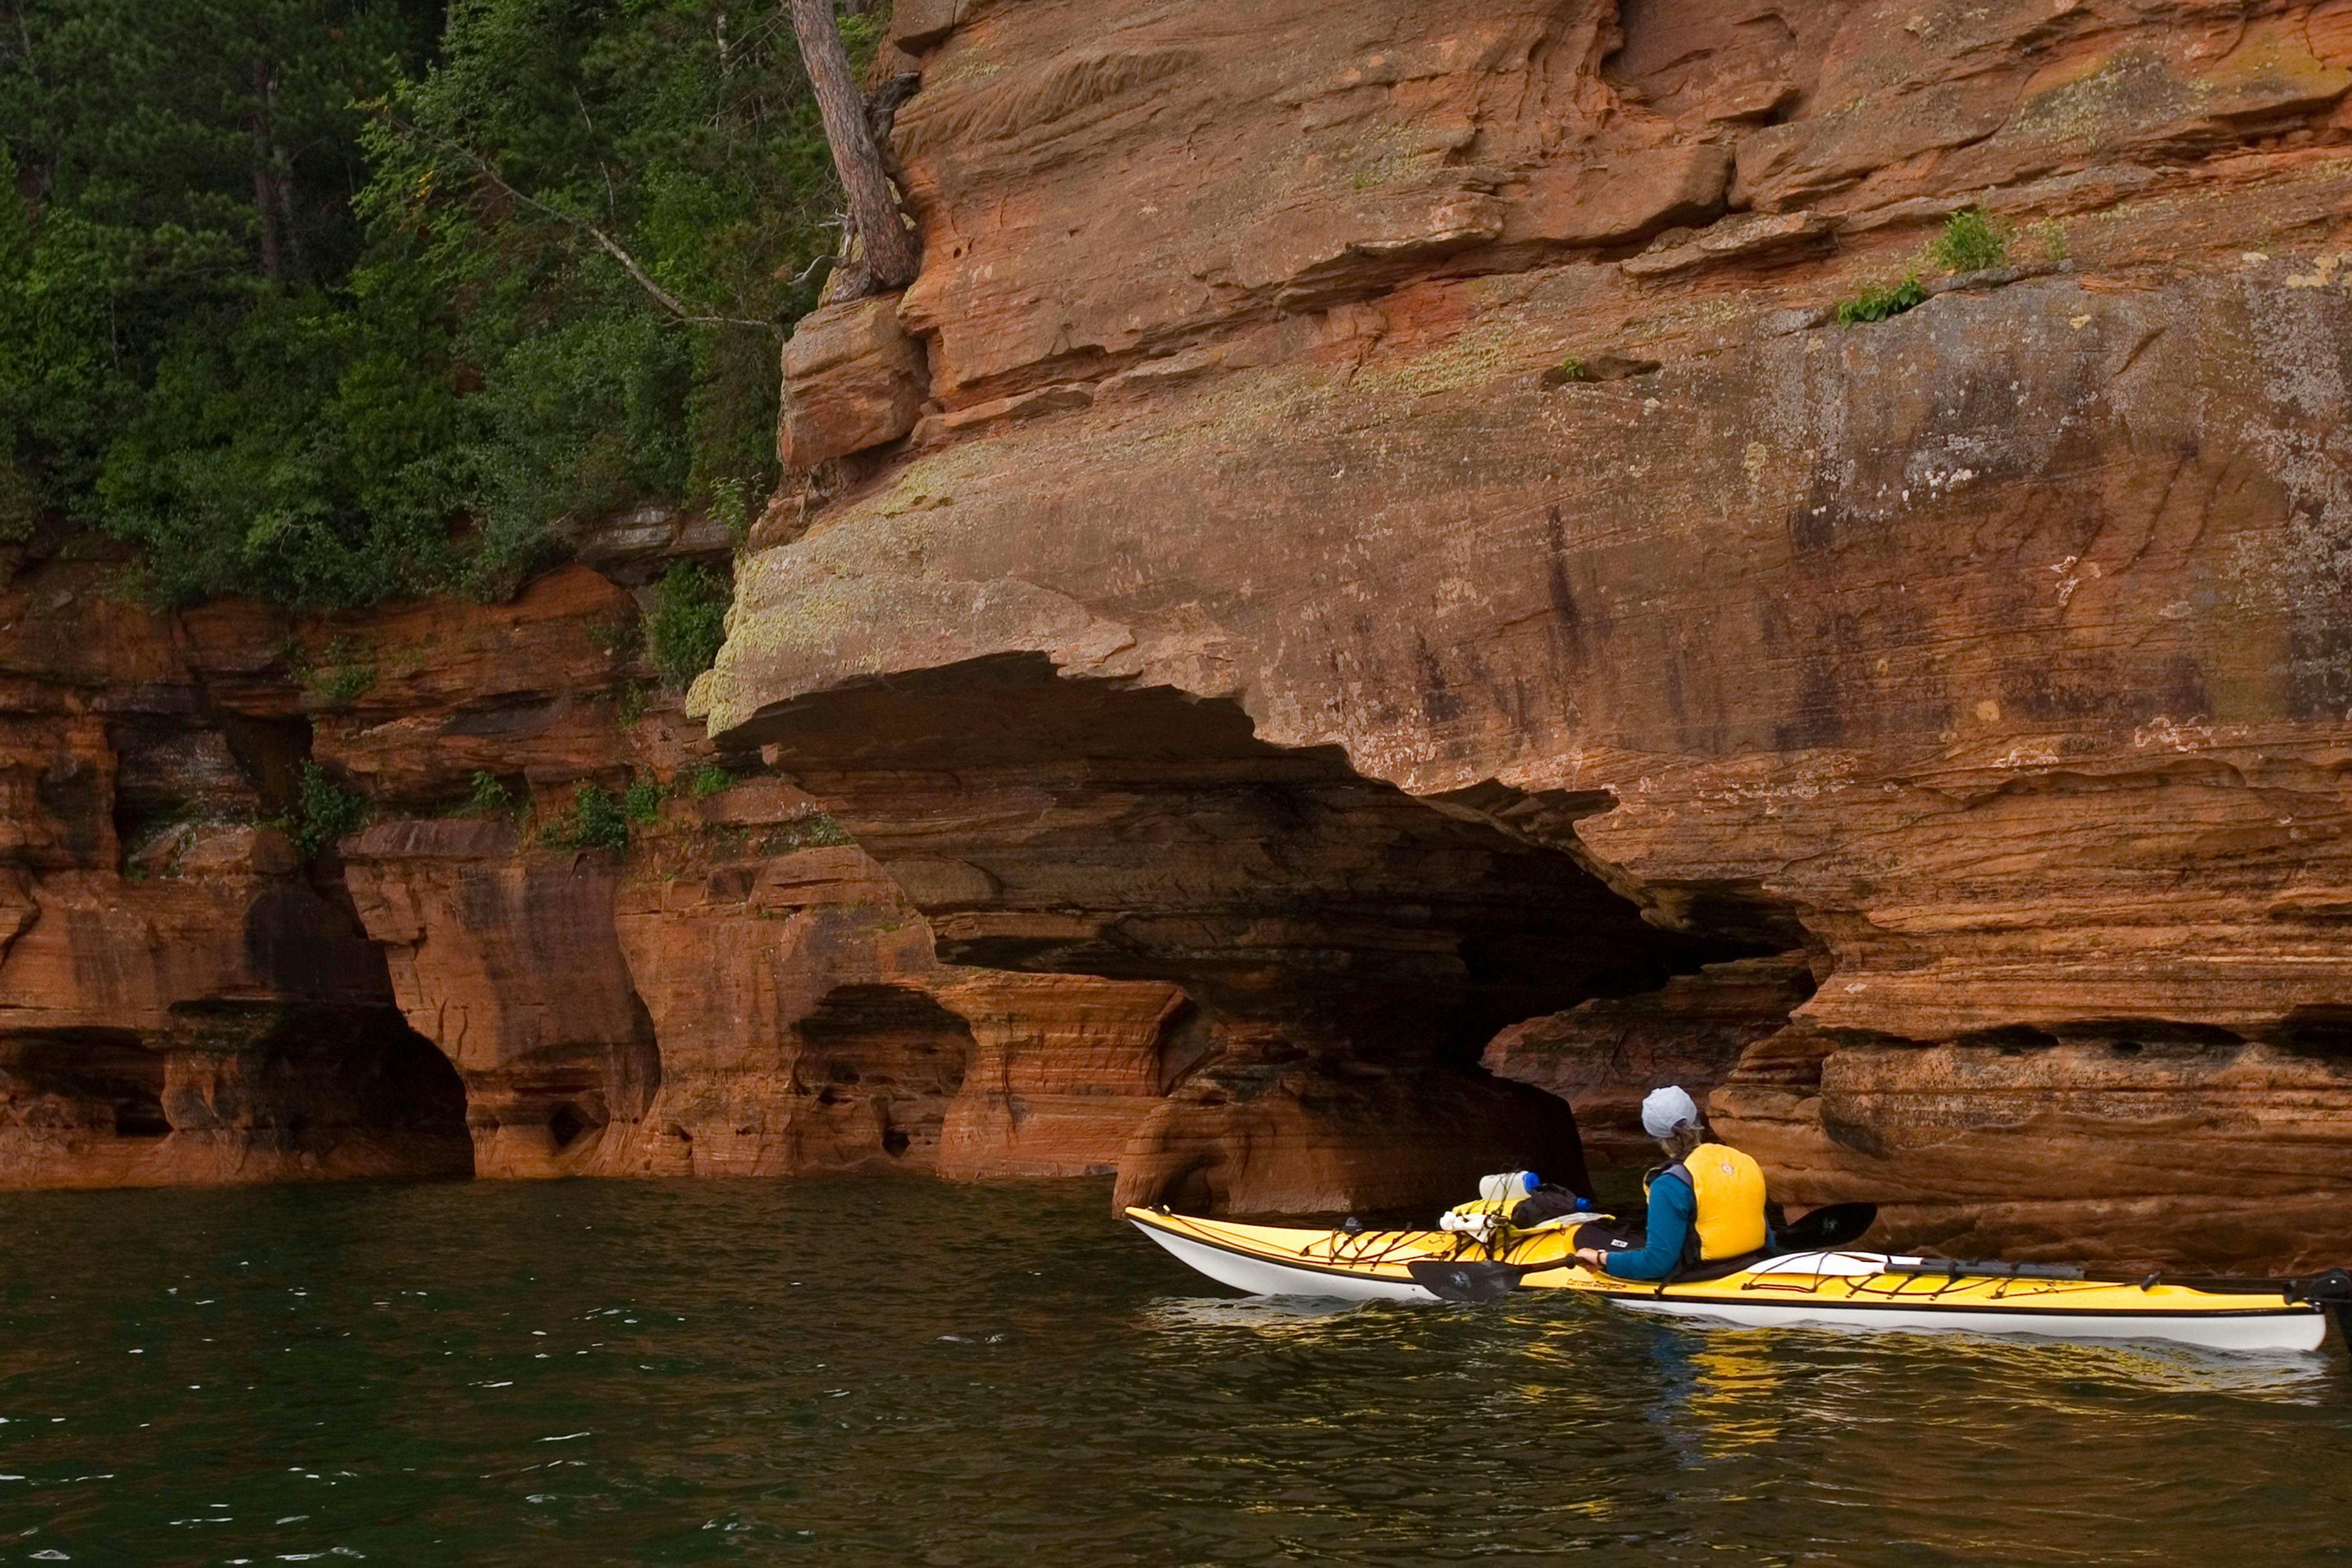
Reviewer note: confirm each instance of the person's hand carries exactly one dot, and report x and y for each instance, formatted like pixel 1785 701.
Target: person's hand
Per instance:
pixel 1591 1256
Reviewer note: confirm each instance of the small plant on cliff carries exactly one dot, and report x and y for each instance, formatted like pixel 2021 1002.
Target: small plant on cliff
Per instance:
pixel 489 798
pixel 342 674
pixel 1972 241
pixel 1877 304
pixel 323 813
pixel 1574 370
pixel 597 820
pixel 689 622
pixel 730 505
pixel 709 779
pixel 617 638
pixel 810 830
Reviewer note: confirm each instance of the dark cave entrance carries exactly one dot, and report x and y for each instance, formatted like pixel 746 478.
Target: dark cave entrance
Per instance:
pixel 354 1085
pixel 96 1081
pixel 290 1089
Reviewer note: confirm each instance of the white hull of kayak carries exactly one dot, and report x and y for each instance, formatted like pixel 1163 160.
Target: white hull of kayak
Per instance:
pixel 1263 1276
pixel 2264 1331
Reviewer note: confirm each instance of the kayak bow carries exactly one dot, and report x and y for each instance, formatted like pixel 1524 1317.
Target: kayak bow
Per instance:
pixel 1837 1289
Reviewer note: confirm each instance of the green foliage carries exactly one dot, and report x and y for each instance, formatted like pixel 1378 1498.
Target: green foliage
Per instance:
pixel 2053 235
pixel 597 820
pixel 173 359
pixel 1877 304
pixel 304 318
pixel 730 504
pixel 600 819
pixel 348 684
pixel 489 797
pixel 709 779
pixel 683 131
pixel 629 706
pixel 322 812
pixel 642 801
pixel 1574 370
pixel 342 675
pixel 1972 241
pixel 689 622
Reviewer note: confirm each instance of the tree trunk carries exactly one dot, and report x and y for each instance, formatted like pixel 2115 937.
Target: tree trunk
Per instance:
pixel 265 191
pixel 282 175
pixel 890 248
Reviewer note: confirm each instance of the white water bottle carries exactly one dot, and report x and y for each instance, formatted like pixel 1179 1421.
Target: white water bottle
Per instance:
pixel 1508 1187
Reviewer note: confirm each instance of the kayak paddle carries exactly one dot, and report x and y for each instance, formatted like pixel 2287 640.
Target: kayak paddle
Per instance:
pixel 1469 1280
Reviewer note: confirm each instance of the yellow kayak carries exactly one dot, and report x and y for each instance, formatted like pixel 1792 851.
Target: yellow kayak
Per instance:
pixel 1840 1287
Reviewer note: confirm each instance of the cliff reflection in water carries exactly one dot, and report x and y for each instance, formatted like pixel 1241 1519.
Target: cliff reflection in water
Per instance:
pixel 888 1372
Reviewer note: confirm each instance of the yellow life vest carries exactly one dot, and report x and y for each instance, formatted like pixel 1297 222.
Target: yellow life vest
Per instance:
pixel 1728 1190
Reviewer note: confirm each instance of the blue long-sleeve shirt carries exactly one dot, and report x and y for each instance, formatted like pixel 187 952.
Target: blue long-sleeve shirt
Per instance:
pixel 1673 1209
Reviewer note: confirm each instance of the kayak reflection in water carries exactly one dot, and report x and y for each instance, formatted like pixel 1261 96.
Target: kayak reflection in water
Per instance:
pixel 1706 1203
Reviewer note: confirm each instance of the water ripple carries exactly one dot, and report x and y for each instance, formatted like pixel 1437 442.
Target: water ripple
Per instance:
pixel 901 1372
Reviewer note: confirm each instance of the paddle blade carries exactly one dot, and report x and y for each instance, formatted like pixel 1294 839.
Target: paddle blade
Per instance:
pixel 1467 1280
pixel 2332 1289
pixel 1837 1225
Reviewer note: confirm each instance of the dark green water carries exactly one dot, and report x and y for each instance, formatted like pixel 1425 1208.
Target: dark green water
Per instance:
pixel 897 1372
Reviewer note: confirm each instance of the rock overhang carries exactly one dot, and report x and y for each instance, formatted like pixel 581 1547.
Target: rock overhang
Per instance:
pixel 1046 821
pixel 1961 559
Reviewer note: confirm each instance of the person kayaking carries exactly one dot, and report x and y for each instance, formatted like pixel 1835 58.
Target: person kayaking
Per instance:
pixel 1706 1203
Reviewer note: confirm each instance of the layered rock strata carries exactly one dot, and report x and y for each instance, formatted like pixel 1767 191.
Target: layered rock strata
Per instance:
pixel 1299 369
pixel 465 984
pixel 180 999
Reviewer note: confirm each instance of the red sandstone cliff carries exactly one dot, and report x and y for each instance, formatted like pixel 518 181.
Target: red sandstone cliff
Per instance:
pixel 1362 536
pixel 1363 500
pixel 453 988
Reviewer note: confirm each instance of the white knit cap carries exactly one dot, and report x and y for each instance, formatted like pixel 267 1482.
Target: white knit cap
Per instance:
pixel 1665 1109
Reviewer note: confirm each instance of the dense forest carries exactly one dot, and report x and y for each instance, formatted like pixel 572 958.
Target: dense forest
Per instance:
pixel 332 303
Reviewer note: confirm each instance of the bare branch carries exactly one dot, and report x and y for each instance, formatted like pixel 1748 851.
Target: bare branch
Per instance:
pixel 604 241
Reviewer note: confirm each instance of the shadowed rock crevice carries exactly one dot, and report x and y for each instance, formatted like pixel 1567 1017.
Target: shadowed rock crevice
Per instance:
pixel 549 1111
pixel 1349 947
pixel 879 1066
pixel 102 1082
pixel 509 960
pixel 234 1091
